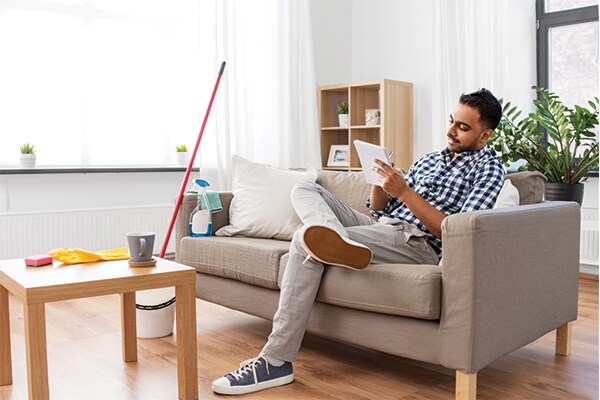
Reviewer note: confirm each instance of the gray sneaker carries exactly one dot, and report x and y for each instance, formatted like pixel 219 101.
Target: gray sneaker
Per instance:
pixel 329 247
pixel 254 375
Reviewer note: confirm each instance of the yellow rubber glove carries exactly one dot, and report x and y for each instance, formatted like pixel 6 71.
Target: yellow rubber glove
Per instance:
pixel 77 256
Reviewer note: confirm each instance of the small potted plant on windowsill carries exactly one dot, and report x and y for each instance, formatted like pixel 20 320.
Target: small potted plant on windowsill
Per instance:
pixel 565 156
pixel 28 157
pixel 342 110
pixel 182 157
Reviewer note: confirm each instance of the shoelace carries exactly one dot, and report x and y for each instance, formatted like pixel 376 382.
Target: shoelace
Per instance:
pixel 250 366
pixel 308 257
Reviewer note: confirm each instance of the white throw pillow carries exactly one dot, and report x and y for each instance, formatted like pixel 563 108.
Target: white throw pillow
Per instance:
pixel 261 205
pixel 508 196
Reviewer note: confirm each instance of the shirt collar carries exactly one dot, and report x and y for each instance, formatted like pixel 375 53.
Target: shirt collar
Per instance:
pixel 467 155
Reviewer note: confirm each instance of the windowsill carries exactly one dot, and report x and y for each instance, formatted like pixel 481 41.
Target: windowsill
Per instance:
pixel 91 170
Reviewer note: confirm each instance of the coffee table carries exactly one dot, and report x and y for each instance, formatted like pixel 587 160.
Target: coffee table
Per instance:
pixel 36 286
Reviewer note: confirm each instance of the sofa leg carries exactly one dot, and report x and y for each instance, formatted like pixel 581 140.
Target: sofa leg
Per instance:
pixel 563 339
pixel 466 386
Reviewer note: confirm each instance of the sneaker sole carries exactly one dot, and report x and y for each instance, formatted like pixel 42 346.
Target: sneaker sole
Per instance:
pixel 328 247
pixel 284 380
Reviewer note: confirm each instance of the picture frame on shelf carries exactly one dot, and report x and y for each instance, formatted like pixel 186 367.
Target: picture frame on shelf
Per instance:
pixel 372 116
pixel 339 155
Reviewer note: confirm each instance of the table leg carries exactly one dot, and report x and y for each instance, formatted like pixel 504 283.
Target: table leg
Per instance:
pixel 35 350
pixel 5 360
pixel 187 363
pixel 128 327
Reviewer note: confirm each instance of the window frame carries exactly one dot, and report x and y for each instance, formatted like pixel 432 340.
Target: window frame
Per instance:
pixel 545 21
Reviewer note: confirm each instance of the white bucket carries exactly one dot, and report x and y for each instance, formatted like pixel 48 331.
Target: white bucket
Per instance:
pixel 155 312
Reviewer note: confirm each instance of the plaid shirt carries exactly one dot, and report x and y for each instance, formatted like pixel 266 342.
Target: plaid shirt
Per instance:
pixel 470 182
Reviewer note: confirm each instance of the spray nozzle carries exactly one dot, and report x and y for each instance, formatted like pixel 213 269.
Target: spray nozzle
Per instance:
pixel 201 182
pixel 199 185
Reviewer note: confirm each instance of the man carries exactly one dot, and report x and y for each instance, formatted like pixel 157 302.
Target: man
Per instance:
pixel 410 209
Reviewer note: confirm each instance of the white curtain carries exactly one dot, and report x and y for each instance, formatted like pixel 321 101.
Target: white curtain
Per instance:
pixel 474 48
pixel 266 110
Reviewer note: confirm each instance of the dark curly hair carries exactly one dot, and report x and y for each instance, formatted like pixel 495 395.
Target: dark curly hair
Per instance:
pixel 490 111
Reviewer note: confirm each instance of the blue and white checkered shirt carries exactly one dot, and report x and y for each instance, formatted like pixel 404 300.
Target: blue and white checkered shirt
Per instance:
pixel 470 182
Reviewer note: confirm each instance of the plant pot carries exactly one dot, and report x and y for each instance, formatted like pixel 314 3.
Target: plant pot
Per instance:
pixel 343 120
pixel 182 158
pixel 564 192
pixel 28 160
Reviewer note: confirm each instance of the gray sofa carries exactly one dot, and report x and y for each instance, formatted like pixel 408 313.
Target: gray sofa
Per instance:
pixel 508 277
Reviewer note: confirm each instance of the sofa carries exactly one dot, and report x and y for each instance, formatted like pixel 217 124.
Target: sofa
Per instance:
pixel 508 276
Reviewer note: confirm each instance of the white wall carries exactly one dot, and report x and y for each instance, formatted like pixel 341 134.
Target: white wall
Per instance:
pixel 332 40
pixel 394 40
pixel 366 40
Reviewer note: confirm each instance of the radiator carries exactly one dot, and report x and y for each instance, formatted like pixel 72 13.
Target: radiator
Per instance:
pixel 24 234
pixel 590 238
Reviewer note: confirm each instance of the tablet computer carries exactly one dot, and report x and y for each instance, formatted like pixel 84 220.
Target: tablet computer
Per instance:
pixel 367 152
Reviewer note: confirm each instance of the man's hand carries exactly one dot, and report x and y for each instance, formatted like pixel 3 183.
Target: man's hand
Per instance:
pixel 392 180
pixel 393 183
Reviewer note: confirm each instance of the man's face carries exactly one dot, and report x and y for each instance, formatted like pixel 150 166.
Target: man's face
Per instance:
pixel 466 132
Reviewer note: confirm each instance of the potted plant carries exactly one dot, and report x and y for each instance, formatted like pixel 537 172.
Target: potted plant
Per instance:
pixel 182 156
pixel 28 156
pixel 342 110
pixel 564 156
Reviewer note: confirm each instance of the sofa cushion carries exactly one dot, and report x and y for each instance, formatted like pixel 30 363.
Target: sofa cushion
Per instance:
pixel 508 196
pixel 397 289
pixel 350 187
pixel 530 185
pixel 250 260
pixel 261 205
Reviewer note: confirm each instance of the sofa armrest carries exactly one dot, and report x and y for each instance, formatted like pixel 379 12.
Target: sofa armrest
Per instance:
pixel 509 276
pixel 188 203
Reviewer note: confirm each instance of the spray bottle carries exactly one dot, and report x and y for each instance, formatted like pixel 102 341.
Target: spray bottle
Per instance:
pixel 201 218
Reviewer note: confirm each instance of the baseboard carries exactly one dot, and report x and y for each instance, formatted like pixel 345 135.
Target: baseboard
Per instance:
pixel 588 269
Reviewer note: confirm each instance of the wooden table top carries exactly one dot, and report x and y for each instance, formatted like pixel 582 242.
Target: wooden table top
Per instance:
pixel 60 281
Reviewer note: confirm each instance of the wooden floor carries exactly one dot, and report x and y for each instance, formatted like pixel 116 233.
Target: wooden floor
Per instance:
pixel 84 356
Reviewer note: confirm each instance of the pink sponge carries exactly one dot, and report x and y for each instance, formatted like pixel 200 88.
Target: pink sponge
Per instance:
pixel 36 261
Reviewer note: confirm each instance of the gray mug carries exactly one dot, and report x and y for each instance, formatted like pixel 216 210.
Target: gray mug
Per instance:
pixel 141 246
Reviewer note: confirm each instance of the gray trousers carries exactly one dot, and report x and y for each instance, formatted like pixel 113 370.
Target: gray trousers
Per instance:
pixel 391 241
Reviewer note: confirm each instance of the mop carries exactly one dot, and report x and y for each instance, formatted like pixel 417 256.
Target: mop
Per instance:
pixel 189 167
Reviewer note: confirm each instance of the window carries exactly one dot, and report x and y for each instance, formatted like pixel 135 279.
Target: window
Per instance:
pixel 100 82
pixel 568 48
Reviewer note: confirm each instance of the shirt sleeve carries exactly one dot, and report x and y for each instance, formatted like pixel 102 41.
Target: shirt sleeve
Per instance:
pixel 486 187
pixel 391 205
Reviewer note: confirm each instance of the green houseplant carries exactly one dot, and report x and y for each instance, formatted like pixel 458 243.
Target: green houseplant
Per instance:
pixel 28 157
pixel 564 156
pixel 342 110
pixel 182 156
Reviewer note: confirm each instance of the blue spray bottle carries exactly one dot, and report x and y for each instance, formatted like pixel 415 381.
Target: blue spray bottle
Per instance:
pixel 201 218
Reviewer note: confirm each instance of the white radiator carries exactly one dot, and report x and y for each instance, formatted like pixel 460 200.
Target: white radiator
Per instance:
pixel 25 234
pixel 590 238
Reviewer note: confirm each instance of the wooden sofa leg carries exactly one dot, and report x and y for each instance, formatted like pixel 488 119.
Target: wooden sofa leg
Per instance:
pixel 563 339
pixel 466 386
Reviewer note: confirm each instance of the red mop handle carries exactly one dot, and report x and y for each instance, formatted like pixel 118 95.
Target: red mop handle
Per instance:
pixel 189 168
